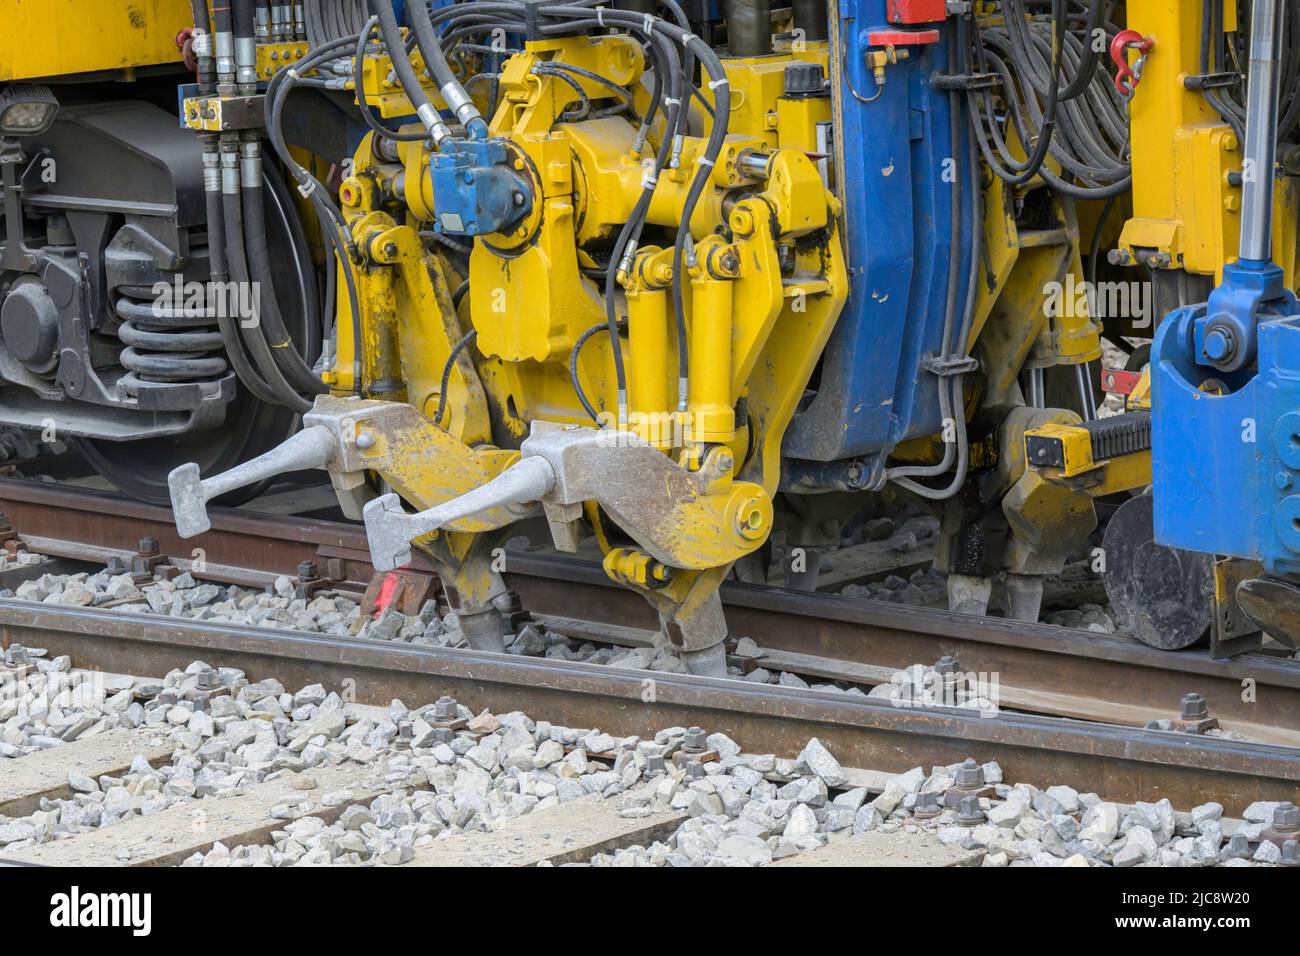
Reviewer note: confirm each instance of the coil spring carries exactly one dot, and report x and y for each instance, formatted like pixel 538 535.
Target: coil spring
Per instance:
pixel 164 342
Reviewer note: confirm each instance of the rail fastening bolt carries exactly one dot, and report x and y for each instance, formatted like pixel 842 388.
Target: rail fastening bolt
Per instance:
pixel 969 813
pixel 947 665
pixel 1286 818
pixel 927 806
pixel 1194 707
pixel 308 571
pixel 970 775
pixel 148 546
pixel 1291 853
pixel 207 679
pixel 1238 847
pixel 696 740
pixel 444 708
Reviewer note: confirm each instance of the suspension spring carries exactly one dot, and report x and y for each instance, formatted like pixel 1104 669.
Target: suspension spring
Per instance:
pixel 167 341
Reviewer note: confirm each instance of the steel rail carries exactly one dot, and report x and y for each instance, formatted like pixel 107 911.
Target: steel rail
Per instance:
pixel 825 637
pixel 1120 763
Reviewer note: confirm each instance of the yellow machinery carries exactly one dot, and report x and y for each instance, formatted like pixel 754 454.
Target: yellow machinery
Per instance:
pixel 672 275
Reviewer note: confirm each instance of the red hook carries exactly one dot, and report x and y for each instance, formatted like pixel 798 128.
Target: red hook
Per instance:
pixel 185 43
pixel 1126 77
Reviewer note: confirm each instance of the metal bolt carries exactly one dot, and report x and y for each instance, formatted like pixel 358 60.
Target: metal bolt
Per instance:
pixel 695 771
pixel 970 775
pixel 148 546
pixel 116 565
pixel 444 708
pixel 947 666
pixel 308 571
pixel 969 813
pixel 1219 345
pixel 17 654
pixel 405 734
pixel 655 764
pixel 927 806
pixel 1238 847
pixel 1194 707
pixel 696 740
pixel 1286 818
pixel 207 679
pixel 1291 853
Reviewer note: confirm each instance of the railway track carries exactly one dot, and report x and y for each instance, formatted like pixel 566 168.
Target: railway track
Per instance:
pixel 1074 704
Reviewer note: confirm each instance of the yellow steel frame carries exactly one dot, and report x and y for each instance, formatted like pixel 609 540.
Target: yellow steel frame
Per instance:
pixel 48 38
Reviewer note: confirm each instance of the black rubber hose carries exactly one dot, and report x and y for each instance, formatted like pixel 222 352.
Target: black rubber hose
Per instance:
pixel 331 220
pixel 239 360
pixel 199 8
pixel 435 61
pixel 573 369
pixel 406 75
pixel 242 18
pixel 252 337
pixel 456 349
pixel 369 117
pixel 221 22
pixel 295 369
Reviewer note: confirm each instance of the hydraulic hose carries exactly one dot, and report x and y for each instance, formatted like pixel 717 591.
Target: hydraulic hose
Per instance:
pixel 220 273
pixel 295 369
pixel 435 60
pixel 238 263
pixel 406 74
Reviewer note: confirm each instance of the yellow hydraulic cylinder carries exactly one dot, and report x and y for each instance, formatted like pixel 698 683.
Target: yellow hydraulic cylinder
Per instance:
pixel 712 417
pixel 648 360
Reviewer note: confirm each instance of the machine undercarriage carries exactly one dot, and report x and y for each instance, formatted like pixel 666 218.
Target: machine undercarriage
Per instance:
pixel 681 277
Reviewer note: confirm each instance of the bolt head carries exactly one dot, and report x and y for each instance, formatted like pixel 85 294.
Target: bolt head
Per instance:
pixel 947 665
pixel 927 803
pixel 968 811
pixel 970 775
pixel 696 739
pixel 207 678
pixel 148 545
pixel 1287 817
pixel 1291 853
pixel 444 708
pixel 308 571
pixel 1218 345
pixel 1194 707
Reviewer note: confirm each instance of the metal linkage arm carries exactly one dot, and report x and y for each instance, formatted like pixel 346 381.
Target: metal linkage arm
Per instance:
pixel 390 529
pixel 312 447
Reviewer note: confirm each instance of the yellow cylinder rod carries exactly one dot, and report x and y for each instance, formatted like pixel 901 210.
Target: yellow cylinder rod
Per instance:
pixel 712 417
pixel 648 358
